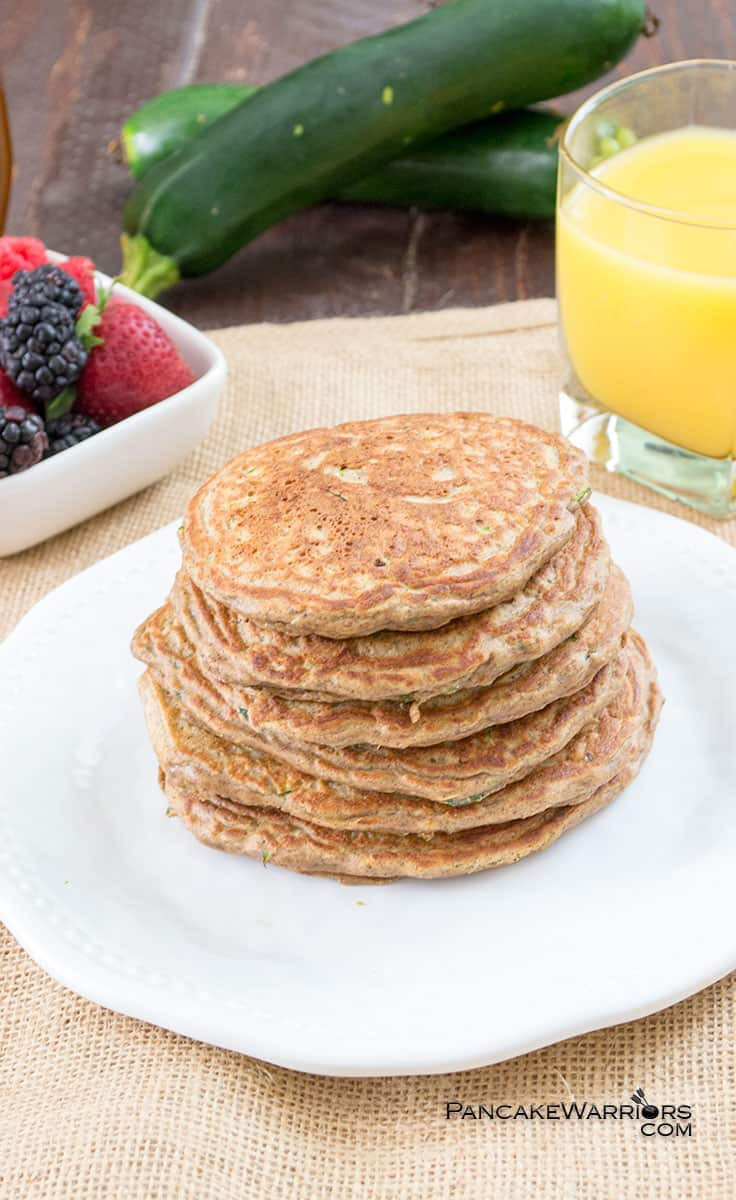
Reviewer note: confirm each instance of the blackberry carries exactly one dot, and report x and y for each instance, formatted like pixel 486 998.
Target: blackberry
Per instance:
pixel 65 432
pixel 22 440
pixel 39 348
pixel 47 284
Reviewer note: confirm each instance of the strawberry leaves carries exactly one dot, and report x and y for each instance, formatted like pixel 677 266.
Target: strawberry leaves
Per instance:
pixel 86 321
pixel 60 405
pixel 89 318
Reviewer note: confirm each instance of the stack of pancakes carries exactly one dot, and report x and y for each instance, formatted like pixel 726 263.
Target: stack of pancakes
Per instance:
pixel 396 648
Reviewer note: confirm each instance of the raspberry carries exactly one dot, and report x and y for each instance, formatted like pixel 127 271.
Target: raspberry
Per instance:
pixel 6 289
pixel 20 254
pixel 82 269
pixel 65 432
pixel 22 440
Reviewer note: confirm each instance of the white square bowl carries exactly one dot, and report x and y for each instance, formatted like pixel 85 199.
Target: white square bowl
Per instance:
pixel 120 460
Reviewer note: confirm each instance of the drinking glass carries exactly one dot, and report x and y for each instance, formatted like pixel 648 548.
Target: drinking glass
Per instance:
pixel 6 159
pixel 647 290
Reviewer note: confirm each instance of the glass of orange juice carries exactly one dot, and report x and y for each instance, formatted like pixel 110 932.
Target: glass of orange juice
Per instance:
pixel 646 280
pixel 6 159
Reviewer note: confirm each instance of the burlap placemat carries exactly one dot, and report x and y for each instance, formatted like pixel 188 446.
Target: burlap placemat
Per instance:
pixel 95 1105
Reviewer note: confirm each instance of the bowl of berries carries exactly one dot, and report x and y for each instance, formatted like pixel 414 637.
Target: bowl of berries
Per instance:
pixel 102 391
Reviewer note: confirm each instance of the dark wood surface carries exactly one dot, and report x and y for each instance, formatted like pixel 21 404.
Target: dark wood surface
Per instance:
pixel 74 70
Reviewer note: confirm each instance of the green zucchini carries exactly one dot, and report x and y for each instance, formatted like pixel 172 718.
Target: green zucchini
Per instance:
pixel 341 116
pixel 507 164
pixel 172 119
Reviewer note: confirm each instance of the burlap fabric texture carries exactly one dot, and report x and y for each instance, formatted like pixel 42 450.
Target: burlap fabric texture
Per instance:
pixel 95 1105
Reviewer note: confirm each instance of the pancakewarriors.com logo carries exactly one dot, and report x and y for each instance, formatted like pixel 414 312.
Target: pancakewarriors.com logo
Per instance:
pixel 654 1120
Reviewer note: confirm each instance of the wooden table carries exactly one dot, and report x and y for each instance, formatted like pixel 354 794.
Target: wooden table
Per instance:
pixel 74 70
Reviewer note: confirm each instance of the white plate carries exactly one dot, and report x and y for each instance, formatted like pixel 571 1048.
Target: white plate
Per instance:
pixel 626 914
pixel 118 461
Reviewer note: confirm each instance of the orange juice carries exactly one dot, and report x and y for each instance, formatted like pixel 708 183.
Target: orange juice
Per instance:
pixel 648 300
pixel 6 159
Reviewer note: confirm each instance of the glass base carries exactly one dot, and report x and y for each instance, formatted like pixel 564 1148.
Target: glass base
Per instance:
pixel 706 484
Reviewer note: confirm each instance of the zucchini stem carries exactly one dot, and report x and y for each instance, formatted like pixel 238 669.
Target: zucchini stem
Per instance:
pixel 145 269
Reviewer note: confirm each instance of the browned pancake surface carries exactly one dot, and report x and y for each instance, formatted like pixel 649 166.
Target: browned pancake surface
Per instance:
pixel 467 652
pixel 449 772
pixel 301 846
pixel 231 776
pixel 401 523
pixel 566 669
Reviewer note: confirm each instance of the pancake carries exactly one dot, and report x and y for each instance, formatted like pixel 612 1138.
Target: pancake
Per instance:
pixel 299 845
pixel 450 772
pixel 405 522
pixel 201 764
pixel 562 671
pixel 467 652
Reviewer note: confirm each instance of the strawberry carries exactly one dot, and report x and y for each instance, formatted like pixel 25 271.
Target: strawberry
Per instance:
pixel 20 254
pixel 11 396
pixel 136 365
pixel 82 269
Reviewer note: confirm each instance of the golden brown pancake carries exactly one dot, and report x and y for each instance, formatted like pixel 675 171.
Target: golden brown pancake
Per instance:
pixel 400 523
pixel 230 776
pixel 449 772
pixel 396 648
pixel 301 846
pixel 467 652
pixel 560 672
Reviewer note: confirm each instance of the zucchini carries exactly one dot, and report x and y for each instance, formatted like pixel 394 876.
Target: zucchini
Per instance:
pixel 341 116
pixel 166 122
pixel 507 164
